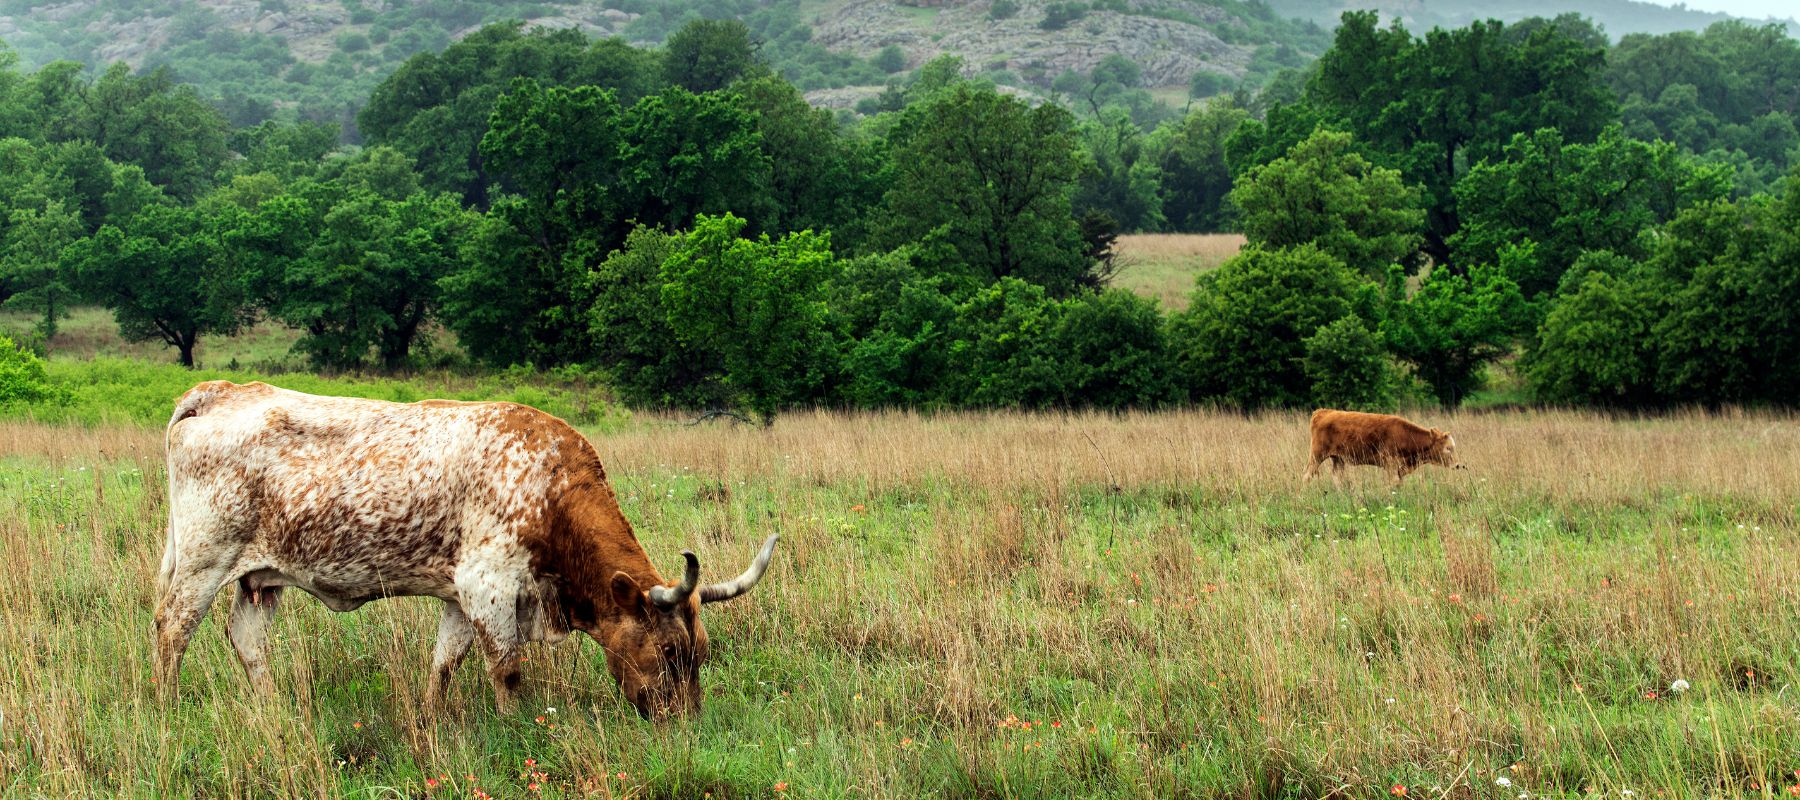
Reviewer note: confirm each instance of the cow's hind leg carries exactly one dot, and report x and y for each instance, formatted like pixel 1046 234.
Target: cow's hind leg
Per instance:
pixel 193 584
pixel 455 635
pixel 1337 473
pixel 251 614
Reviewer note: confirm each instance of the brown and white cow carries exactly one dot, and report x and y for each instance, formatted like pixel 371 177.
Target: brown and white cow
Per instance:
pixel 1392 443
pixel 498 509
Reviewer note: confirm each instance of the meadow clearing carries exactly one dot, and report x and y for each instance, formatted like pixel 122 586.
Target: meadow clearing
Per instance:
pixel 1005 605
pixel 1162 266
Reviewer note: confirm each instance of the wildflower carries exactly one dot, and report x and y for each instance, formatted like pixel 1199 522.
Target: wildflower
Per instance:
pixel 906 741
pixel 858 508
pixel 1502 781
pixel 530 762
pixel 781 786
pixel 540 719
pixel 430 783
pixel 1627 792
pixel 532 786
pixel 1794 790
pixel 1056 724
pixel 1455 598
pixel 550 710
pixel 620 776
pixel 1649 695
pixel 356 725
pixel 1390 701
pixel 1398 790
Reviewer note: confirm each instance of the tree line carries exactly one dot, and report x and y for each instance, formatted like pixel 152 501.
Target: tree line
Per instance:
pixel 682 222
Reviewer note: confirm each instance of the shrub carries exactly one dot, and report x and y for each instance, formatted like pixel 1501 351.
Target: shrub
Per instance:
pixel 351 42
pixel 1243 338
pixel 1058 15
pixel 23 378
pixel 1114 352
pixel 890 60
pixel 1002 9
pixel 1597 344
pixel 1348 367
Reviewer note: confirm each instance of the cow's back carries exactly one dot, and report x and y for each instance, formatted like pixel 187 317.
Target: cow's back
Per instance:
pixel 359 489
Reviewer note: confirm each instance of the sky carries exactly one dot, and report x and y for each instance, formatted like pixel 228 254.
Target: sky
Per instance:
pixel 1754 9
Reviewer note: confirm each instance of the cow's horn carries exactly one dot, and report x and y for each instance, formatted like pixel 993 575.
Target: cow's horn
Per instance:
pixel 666 597
pixel 742 583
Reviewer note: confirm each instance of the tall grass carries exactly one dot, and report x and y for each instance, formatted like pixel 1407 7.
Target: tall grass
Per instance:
pixel 1005 605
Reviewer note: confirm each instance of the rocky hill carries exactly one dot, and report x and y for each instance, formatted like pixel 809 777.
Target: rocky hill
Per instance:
pixel 319 58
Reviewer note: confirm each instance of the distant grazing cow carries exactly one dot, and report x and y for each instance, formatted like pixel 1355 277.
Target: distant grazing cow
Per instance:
pixel 498 509
pixel 1383 440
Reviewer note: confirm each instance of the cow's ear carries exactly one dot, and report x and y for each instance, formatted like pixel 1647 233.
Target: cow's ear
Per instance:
pixel 626 594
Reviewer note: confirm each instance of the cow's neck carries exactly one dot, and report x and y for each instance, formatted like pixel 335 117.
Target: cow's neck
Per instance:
pixel 594 542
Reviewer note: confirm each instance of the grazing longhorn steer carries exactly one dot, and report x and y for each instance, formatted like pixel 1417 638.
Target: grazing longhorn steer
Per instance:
pixel 498 509
pixel 1384 440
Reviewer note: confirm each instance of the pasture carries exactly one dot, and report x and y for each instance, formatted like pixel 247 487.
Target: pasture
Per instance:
pixel 1162 266
pixel 1005 605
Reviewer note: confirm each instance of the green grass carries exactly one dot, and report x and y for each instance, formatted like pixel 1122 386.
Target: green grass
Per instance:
pixel 1002 606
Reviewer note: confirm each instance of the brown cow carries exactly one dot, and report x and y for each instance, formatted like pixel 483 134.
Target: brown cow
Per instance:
pixel 500 510
pixel 1392 443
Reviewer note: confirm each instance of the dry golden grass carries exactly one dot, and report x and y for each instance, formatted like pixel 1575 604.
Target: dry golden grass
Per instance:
pixel 1162 266
pixel 969 605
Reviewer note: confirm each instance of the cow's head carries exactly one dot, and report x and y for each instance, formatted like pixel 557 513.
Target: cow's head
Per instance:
pixel 657 648
pixel 1443 450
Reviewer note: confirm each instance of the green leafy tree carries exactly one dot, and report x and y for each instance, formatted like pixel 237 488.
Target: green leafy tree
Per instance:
pixel 1114 349
pixel 900 329
pixel 818 178
pixel 1349 367
pixel 759 304
pixel 367 279
pixel 646 360
pixel 709 54
pixel 985 182
pixel 1123 177
pixel 1435 104
pixel 1243 338
pixel 168 274
pixel 1190 154
pixel 1457 324
pixel 31 261
pixel 1571 198
pixel 1325 193
pixel 1730 332
pixel 155 123
pixel 890 59
pixel 1597 345
pixel 1001 354
pixel 436 107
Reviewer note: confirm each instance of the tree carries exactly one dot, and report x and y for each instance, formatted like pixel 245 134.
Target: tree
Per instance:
pixel 1457 324
pixel 31 261
pixel 984 182
pixel 1571 198
pixel 708 54
pixel 151 121
pixel 1122 178
pixel 1114 349
pixel 1597 345
pixel 436 107
pixel 1190 154
pixel 759 304
pixel 1452 98
pixel 818 178
pixel 168 273
pixel 646 360
pixel 1349 367
pixel 1243 339
pixel 23 376
pixel 693 154
pixel 1325 193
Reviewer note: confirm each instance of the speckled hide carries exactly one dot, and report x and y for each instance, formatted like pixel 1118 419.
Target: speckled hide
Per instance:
pixel 498 509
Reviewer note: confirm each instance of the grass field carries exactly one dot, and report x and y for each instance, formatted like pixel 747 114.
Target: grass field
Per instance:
pixel 1002 606
pixel 1163 265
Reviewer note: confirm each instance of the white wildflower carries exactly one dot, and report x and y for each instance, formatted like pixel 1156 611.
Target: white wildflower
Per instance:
pixel 1678 686
pixel 1502 781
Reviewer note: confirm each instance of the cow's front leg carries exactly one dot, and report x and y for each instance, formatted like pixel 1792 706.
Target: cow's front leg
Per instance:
pixel 494 618
pixel 251 614
pixel 455 635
